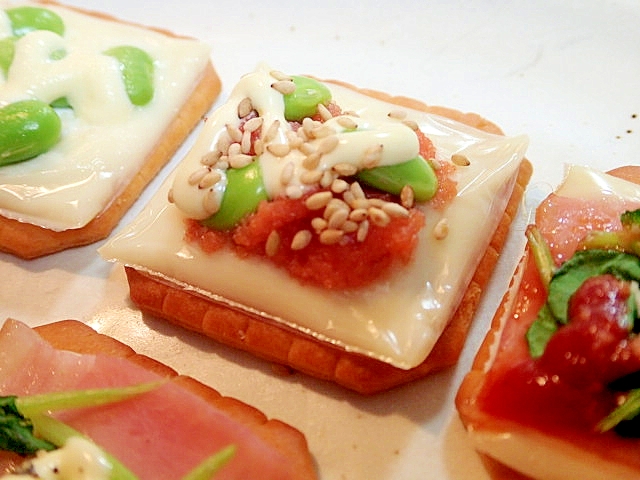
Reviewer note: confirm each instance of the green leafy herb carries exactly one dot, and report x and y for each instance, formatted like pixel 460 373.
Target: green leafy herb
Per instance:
pixel 599 253
pixel 16 413
pixel 541 254
pixel 541 331
pixel 626 411
pixel 16 431
pixel 211 465
pixel 46 402
pixel 627 240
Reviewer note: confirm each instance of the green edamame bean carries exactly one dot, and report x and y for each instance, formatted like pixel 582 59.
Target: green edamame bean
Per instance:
pixel 26 19
pixel 417 173
pixel 304 101
pixel 245 190
pixel 137 72
pixel 7 52
pixel 27 128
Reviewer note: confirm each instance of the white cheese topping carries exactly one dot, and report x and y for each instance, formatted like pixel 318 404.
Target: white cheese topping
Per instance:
pixel 105 139
pixel 397 320
pixel 78 459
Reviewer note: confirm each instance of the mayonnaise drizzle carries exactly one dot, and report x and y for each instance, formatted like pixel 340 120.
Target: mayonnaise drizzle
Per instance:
pixel 398 144
pixel 78 459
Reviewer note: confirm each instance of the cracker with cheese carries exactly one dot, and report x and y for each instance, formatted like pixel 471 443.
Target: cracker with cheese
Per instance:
pixel 344 233
pixel 91 108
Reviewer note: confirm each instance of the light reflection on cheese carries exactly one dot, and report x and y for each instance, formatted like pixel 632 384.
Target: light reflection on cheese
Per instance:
pixel 398 320
pixel 105 140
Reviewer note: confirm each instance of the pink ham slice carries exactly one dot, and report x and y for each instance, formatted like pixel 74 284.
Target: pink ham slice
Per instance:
pixel 160 435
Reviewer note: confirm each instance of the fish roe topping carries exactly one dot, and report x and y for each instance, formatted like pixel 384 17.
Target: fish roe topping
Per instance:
pixel 282 140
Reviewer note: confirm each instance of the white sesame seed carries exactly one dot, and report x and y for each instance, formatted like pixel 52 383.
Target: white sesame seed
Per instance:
pixel 372 156
pixel 253 124
pixel 294 139
pixel 244 107
pixel 327 178
pixel 379 217
pixel 350 226
pixel 272 244
pixel 294 192
pixel 245 144
pixel 358 214
pixel 398 114
pixel 224 140
pixel 286 174
pixel 345 169
pixel 278 75
pixel 330 236
pixel 309 177
pixel 376 202
pixel 395 210
pixel 210 179
pixel 407 196
pixel 258 147
pixel 324 112
pixel 319 224
pixel 306 147
pixel 360 203
pixel 349 198
pixel 210 158
pixel 301 239
pixel 321 131
pixel 234 149
pixel 311 161
pixel 240 160
pixel 272 131
pixel 309 124
pixel 196 176
pixel 363 231
pixel 285 87
pixel 460 160
pixel 318 200
pixel 441 229
pixel 339 186
pixel 347 122
pixel 170 196
pixel 279 149
pixel 210 202
pixel 234 132
pixel 328 144
pixel 334 205
pixel 357 191
pixel 337 219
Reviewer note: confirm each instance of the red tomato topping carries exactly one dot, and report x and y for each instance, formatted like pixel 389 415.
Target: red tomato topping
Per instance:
pixel 349 264
pixel 567 386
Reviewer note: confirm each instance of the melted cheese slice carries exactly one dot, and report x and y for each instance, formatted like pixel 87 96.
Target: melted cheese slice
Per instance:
pixel 105 140
pixel 397 320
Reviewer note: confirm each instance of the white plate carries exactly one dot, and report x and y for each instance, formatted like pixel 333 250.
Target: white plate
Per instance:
pixel 565 73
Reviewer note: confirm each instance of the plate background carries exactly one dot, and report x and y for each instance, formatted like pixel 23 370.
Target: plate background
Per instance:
pixel 565 73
